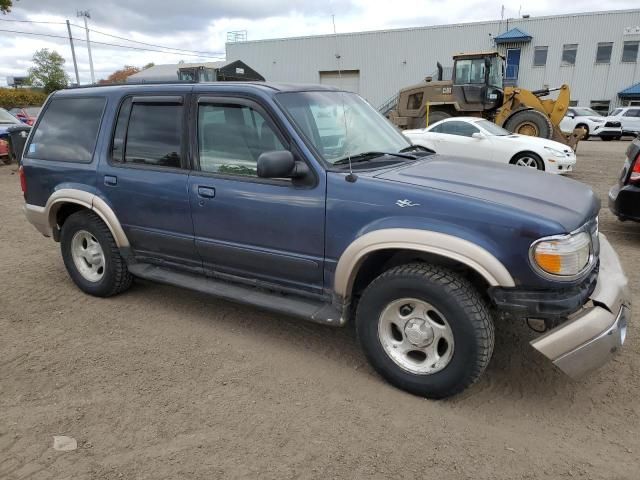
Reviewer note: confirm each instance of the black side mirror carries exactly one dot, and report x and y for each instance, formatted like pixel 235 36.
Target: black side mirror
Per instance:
pixel 276 164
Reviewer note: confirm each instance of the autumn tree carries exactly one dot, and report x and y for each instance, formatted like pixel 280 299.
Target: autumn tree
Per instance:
pixel 5 6
pixel 48 71
pixel 120 76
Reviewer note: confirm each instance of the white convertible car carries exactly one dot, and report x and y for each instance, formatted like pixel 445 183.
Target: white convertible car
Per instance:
pixel 478 138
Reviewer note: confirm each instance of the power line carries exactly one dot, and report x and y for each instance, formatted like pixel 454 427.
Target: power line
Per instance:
pixel 111 44
pixel 118 37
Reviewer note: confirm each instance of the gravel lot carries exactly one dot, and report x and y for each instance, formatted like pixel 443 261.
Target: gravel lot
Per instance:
pixel 166 383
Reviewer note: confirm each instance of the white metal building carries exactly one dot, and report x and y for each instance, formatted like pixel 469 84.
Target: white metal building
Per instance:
pixel 595 53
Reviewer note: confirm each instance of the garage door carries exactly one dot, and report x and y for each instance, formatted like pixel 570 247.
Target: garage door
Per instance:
pixel 348 80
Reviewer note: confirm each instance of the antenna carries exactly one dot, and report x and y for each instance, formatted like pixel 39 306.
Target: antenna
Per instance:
pixel 350 177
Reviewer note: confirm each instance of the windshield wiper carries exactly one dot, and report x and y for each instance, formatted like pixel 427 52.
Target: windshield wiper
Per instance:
pixel 366 156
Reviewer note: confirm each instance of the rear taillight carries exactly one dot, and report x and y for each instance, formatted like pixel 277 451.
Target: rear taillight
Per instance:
pixel 635 170
pixel 23 181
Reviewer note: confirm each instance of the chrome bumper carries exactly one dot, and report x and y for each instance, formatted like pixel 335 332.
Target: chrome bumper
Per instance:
pixel 594 334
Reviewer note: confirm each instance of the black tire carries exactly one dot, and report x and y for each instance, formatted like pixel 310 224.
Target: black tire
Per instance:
pixel 530 122
pixel 617 138
pixel 116 277
pixel 466 313
pixel 533 156
pixel 586 129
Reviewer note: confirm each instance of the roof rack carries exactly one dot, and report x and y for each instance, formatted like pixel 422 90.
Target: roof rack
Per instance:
pixel 140 82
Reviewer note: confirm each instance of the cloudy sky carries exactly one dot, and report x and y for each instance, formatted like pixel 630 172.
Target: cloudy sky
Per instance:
pixel 199 27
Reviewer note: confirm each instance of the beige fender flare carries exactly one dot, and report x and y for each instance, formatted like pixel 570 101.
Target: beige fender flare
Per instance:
pixel 449 246
pixel 44 218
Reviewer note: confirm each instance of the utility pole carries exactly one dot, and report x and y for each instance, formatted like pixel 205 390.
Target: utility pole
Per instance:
pixel 73 54
pixel 85 14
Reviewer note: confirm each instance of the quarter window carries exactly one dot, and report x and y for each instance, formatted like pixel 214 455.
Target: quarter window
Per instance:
pixel 569 53
pixel 603 54
pixel 540 56
pixel 68 130
pixel 630 51
pixel 231 137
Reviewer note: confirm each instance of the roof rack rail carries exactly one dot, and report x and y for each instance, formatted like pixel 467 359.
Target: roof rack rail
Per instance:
pixel 140 82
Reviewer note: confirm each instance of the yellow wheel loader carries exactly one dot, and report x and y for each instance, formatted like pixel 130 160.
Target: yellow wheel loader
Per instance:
pixel 476 89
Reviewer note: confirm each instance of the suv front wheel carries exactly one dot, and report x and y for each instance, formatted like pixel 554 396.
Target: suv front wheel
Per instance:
pixel 425 329
pixel 92 257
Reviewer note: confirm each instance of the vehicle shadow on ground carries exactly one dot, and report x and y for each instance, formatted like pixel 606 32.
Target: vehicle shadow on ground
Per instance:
pixel 516 371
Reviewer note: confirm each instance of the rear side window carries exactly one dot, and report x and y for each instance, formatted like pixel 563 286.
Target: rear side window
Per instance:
pixel 148 134
pixel 68 130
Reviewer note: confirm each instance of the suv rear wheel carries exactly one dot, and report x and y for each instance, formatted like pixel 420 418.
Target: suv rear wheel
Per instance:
pixel 425 329
pixel 91 256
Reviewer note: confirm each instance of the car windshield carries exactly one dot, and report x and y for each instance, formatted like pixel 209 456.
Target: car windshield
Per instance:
pixel 616 112
pixel 586 112
pixel 6 117
pixel 492 128
pixel 341 125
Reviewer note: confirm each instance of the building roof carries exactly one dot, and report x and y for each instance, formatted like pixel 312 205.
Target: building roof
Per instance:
pixel 513 35
pixel 169 71
pixel 632 92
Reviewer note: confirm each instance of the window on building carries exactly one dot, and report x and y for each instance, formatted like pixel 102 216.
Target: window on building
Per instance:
pixel 540 56
pixel 573 103
pixel 153 135
pixel 630 51
pixel 603 54
pixel 231 138
pixel 601 106
pixel 569 53
pixel 68 130
pixel 414 101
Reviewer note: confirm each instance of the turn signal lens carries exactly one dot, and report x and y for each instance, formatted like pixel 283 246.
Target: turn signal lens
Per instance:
pixel 635 171
pixel 566 256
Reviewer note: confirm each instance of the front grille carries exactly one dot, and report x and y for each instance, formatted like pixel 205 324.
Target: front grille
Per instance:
pixel 612 124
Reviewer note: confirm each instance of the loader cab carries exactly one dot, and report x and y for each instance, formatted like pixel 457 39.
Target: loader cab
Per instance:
pixel 478 80
pixel 197 74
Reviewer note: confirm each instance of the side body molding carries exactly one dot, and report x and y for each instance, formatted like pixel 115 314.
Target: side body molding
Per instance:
pixel 455 248
pixel 44 218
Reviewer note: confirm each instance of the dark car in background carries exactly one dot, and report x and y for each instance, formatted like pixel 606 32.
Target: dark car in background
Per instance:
pixel 624 196
pixel 6 121
pixel 26 115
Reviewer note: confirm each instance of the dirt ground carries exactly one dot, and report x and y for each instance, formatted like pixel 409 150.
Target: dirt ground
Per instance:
pixel 166 383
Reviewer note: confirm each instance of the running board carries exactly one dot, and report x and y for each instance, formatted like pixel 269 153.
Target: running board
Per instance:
pixel 296 306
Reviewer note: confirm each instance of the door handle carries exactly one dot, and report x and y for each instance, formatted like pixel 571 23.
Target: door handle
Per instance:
pixel 207 192
pixel 110 180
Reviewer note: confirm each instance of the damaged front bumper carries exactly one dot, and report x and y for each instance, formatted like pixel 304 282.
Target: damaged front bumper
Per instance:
pixel 594 333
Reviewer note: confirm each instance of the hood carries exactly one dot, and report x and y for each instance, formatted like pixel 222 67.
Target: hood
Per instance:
pixel 539 194
pixel 541 142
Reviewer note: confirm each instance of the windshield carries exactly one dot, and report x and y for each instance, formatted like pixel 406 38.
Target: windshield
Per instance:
pixel 586 112
pixel 6 117
pixel 340 125
pixel 472 71
pixel 492 128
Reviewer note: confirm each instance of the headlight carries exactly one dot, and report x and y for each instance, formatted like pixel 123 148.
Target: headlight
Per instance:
pixel 555 152
pixel 597 120
pixel 562 256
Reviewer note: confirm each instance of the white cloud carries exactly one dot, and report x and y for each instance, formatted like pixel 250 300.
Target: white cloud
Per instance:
pixel 203 24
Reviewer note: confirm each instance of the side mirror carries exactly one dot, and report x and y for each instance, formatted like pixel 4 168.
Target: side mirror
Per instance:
pixel 478 136
pixel 280 164
pixel 571 115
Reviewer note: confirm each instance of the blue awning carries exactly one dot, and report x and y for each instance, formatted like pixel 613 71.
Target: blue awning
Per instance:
pixel 632 92
pixel 514 35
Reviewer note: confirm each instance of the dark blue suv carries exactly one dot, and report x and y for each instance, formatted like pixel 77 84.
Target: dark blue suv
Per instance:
pixel 305 201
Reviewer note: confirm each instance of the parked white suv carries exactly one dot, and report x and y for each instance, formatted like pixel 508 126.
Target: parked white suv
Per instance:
pixel 595 124
pixel 629 118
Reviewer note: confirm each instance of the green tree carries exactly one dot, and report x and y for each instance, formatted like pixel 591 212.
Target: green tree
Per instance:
pixel 48 71
pixel 149 65
pixel 5 6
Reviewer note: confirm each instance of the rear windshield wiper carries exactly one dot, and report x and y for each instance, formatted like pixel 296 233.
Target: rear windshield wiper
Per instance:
pixel 365 156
